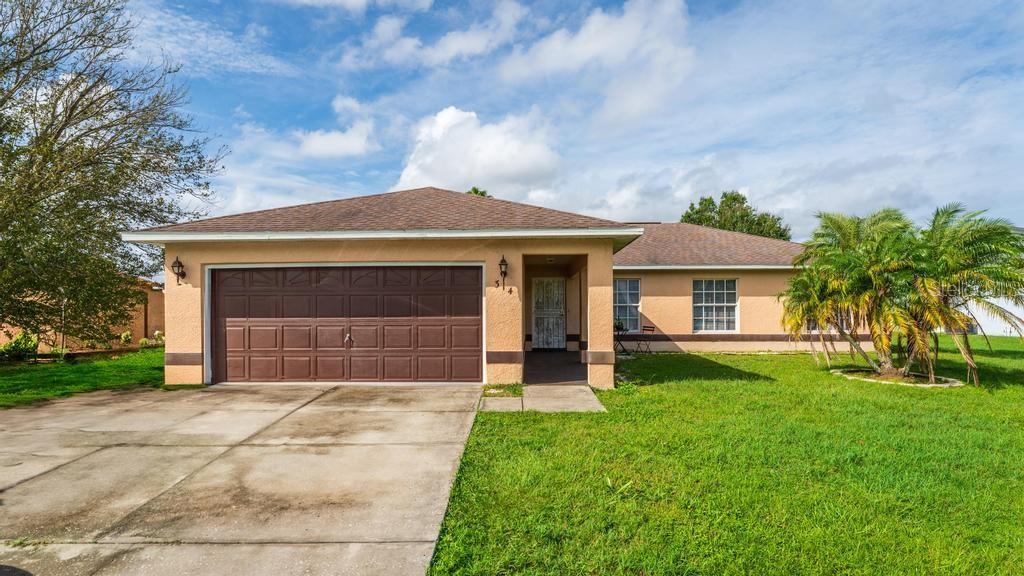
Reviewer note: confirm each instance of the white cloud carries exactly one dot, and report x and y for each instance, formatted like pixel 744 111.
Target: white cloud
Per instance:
pixel 637 58
pixel 386 43
pixel 346 105
pixel 200 47
pixel 360 6
pixel 453 149
pixel 355 141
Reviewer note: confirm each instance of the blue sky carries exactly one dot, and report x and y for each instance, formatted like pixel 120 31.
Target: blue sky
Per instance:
pixel 626 111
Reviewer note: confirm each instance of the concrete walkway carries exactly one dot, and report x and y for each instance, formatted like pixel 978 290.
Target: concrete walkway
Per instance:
pixel 546 398
pixel 231 480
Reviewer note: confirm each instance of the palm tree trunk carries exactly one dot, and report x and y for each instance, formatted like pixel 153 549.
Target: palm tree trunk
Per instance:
pixel 856 346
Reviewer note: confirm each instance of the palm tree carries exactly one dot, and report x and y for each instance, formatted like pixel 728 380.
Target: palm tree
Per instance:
pixel 865 263
pixel 902 284
pixel 967 262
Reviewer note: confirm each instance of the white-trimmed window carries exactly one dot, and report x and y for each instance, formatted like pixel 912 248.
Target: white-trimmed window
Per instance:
pixel 627 303
pixel 714 305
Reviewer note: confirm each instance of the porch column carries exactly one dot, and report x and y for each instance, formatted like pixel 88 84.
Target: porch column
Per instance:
pixel 504 306
pixel 600 354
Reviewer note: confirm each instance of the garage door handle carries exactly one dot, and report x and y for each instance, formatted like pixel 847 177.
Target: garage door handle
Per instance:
pixel 348 339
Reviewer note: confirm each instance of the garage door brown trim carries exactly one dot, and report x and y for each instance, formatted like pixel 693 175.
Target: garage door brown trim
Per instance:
pixel 441 303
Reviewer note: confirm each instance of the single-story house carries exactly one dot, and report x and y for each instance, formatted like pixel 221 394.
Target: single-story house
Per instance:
pixel 431 285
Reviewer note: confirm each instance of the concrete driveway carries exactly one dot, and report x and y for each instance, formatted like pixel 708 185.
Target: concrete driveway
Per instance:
pixel 231 480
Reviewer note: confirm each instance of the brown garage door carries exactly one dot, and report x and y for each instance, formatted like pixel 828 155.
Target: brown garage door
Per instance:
pixel 380 323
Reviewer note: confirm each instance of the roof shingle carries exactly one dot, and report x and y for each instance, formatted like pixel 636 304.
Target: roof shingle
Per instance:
pixel 679 244
pixel 419 209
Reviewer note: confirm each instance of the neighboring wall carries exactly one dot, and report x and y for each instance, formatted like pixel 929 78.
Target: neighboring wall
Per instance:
pixel 149 318
pixel 666 302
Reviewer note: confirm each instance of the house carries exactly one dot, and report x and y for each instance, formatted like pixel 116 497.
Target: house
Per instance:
pixel 148 319
pixel 431 285
pixel 703 289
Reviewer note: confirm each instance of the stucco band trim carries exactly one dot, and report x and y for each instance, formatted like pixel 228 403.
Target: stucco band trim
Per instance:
pixel 183 358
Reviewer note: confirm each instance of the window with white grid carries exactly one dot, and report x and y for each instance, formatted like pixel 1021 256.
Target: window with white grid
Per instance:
pixel 714 305
pixel 627 303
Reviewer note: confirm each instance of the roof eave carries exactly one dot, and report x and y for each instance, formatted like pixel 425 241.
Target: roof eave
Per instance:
pixel 703 267
pixel 623 235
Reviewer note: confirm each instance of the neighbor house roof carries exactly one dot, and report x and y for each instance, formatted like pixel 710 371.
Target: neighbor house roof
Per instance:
pixel 678 245
pixel 423 212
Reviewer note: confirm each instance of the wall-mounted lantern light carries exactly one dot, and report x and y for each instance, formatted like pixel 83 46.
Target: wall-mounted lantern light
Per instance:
pixel 503 270
pixel 179 269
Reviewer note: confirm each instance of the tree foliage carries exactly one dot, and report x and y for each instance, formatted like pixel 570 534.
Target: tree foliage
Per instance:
pixel 478 192
pixel 733 212
pixel 904 284
pixel 89 146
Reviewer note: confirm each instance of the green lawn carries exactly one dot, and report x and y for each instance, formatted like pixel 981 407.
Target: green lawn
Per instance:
pixel 25 383
pixel 751 464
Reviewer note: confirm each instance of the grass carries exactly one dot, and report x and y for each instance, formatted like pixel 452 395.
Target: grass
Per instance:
pixel 27 383
pixel 751 464
pixel 504 390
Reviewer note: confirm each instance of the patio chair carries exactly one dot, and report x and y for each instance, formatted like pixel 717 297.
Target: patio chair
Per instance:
pixel 643 342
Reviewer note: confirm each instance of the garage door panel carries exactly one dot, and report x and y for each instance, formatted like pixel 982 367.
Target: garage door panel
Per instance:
pixel 263 338
pixel 234 307
pixel 465 305
pixel 330 277
pixel 398 277
pixel 231 278
pixel 364 367
pixel 364 277
pixel 331 306
pixel 431 277
pixel 298 306
pixel 234 338
pixel 364 306
pixel 297 367
pixel 465 277
pixel 297 337
pixel 398 368
pixel 431 368
pixel 465 337
pixel 398 305
pixel 397 337
pixel 330 368
pixel 365 337
pixel 431 337
pixel 330 337
pixel 264 278
pixel 405 324
pixel 236 368
pixel 431 305
pixel 264 307
pixel 298 277
pixel 263 368
pixel 466 368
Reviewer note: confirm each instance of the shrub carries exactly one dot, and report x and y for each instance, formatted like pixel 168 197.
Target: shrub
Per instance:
pixel 144 342
pixel 158 337
pixel 23 346
pixel 126 337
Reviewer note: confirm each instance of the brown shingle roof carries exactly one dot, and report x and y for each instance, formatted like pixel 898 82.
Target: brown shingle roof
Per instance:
pixel 680 244
pixel 419 209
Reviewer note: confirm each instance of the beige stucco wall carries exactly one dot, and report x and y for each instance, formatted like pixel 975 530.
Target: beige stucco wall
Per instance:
pixel 666 302
pixel 148 319
pixel 184 303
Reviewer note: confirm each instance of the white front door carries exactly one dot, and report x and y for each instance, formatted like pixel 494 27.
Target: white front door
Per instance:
pixel 549 312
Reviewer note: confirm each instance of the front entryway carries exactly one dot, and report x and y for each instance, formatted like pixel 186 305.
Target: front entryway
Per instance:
pixel 549 367
pixel 549 313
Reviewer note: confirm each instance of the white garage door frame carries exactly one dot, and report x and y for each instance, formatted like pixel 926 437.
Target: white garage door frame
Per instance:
pixel 208 307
